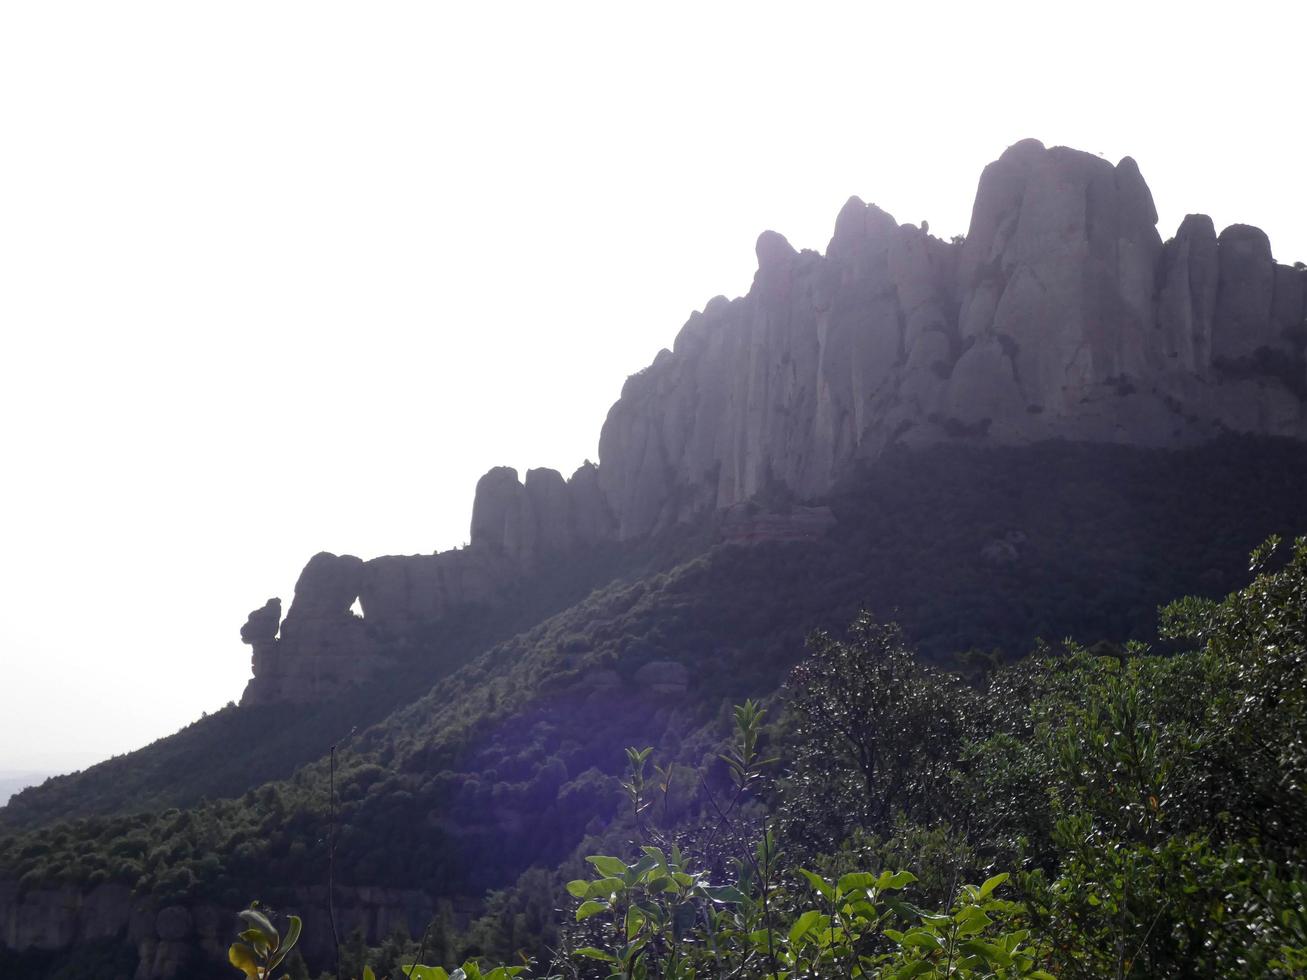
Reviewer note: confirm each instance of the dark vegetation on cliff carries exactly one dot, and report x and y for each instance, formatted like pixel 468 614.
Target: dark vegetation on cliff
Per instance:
pixel 512 761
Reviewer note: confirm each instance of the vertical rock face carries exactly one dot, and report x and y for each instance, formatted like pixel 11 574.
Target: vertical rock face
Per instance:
pixel 1186 309
pixel 1247 285
pixel 1062 314
pixel 547 514
pixel 1057 274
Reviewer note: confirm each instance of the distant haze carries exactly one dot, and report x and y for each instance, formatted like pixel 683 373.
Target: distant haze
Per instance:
pixel 280 278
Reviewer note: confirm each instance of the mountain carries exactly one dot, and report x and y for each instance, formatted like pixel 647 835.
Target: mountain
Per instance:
pixel 1041 431
pixel 1062 315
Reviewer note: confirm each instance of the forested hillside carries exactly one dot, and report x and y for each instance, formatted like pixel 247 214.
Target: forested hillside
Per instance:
pixel 514 761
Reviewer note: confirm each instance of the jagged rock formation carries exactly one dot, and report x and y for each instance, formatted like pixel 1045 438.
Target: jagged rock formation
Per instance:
pixel 324 646
pixel 1062 314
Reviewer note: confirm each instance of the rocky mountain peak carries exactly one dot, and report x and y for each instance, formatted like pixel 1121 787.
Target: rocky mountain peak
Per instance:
pixel 1061 315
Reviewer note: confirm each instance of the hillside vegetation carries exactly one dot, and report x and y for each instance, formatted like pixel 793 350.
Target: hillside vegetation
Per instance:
pixel 513 761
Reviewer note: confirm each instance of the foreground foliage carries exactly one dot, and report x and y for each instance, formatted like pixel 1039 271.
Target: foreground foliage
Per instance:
pixel 1124 814
pixel 1146 802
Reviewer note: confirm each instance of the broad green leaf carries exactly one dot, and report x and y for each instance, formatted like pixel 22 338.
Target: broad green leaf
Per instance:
pixel 590 908
pixel 803 924
pixel 723 894
pixel 989 952
pixel 578 888
pixel 368 974
pixel 855 881
pixel 988 887
pixel 603 887
pixel 634 920
pixel 645 864
pixel 610 867
pixel 596 954
pixel 824 887
pixel 895 879
pixel 922 939
pixel 971 920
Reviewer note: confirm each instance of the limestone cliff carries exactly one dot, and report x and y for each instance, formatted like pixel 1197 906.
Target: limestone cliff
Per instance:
pixel 1061 314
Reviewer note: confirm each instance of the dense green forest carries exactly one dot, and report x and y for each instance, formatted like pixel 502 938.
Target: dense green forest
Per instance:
pixel 1141 789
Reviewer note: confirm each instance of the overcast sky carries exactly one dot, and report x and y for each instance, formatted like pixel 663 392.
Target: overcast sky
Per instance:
pixel 284 277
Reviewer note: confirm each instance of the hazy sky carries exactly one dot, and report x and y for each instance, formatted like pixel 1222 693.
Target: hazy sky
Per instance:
pixel 284 277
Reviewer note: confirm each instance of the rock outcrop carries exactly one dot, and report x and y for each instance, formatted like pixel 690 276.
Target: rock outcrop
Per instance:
pixel 1061 315
pixel 323 646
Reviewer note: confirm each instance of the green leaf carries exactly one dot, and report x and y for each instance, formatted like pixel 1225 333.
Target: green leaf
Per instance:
pixel 642 866
pixel 603 887
pixel 596 954
pixel 971 920
pixel 578 888
pixel 723 894
pixel 416 971
pixel 988 887
pixel 368 974
pixel 856 881
pixel 921 939
pixel 895 880
pixel 914 969
pixel 824 887
pixel 287 944
pixel 803 924
pixel 635 919
pixel 590 908
pixel 988 952
pixel 610 867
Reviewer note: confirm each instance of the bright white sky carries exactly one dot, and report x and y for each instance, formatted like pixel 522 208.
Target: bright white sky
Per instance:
pixel 284 277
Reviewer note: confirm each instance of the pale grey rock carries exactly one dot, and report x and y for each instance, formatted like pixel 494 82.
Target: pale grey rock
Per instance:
pixel 1061 315
pixel 1058 268
pixel 501 518
pixel 323 647
pixel 327 587
pixel 399 593
pixel 550 509
pixel 262 624
pixel 589 516
pixel 1189 274
pixel 1243 302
